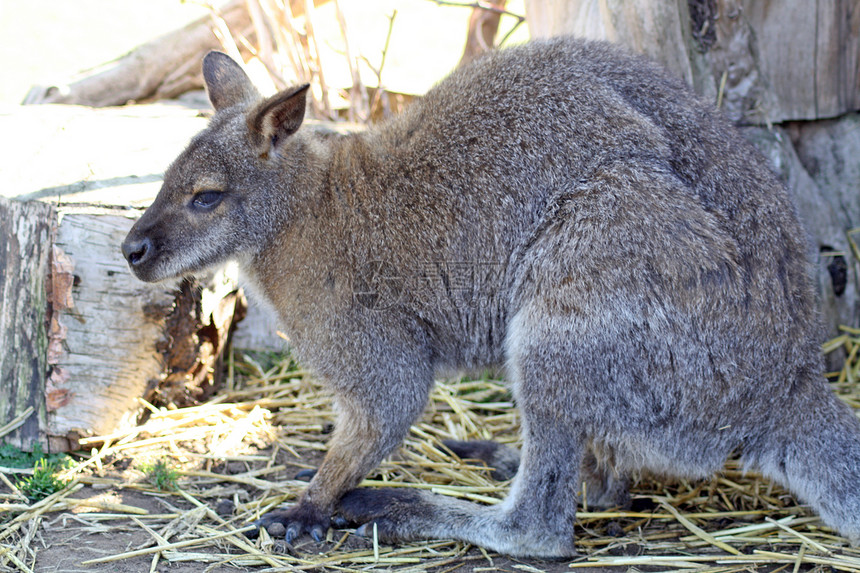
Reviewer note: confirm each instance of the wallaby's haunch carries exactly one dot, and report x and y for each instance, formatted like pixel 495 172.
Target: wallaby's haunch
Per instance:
pixel 563 210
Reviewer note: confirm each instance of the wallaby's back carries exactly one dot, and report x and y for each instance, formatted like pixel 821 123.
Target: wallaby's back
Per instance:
pixel 479 167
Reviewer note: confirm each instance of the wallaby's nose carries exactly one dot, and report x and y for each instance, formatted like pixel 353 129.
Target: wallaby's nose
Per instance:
pixel 137 251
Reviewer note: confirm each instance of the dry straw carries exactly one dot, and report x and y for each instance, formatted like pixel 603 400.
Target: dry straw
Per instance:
pixel 275 422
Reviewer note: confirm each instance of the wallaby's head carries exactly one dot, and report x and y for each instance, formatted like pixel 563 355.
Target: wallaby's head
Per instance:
pixel 229 190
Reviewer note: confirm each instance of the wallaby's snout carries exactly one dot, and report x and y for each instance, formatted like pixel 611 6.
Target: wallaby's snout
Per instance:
pixel 137 250
pixel 141 249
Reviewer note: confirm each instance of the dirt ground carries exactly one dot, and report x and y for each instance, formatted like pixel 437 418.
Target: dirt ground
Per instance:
pixel 66 540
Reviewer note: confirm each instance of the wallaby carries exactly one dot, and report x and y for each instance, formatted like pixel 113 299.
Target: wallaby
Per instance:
pixel 563 210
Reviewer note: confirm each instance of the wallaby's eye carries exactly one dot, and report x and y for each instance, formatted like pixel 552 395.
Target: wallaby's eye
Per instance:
pixel 206 200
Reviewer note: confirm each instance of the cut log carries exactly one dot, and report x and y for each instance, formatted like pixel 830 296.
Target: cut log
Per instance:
pixel 84 340
pixel 114 339
pixel 162 68
pixel 94 339
pixel 71 154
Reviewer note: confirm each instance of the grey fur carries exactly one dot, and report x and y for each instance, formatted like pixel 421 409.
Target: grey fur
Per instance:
pixel 563 210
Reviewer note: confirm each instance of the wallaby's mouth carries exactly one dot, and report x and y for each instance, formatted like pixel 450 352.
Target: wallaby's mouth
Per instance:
pixel 152 261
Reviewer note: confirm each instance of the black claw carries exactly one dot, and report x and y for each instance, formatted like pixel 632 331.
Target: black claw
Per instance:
pixel 305 475
pixel 339 522
pixel 291 524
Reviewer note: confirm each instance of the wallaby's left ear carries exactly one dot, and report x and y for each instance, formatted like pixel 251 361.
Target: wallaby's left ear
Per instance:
pixel 226 82
pixel 279 116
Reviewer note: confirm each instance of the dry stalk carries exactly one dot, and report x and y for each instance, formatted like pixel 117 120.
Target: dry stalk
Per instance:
pixel 15 422
pixel 380 96
pixel 359 106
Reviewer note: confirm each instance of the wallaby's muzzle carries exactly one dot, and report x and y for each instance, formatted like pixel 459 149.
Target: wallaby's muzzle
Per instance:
pixel 142 254
pixel 137 251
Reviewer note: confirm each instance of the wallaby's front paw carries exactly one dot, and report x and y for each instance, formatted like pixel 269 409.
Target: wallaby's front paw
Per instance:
pixel 392 510
pixel 294 522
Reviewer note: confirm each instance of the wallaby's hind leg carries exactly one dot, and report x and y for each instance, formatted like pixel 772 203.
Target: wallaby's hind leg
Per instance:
pixel 536 519
pixel 815 455
pixel 604 487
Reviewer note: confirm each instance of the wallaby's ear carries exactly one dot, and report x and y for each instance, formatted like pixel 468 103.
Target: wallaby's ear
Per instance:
pixel 226 82
pixel 279 116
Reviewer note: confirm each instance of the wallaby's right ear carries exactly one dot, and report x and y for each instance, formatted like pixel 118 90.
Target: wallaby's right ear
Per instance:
pixel 226 82
pixel 278 117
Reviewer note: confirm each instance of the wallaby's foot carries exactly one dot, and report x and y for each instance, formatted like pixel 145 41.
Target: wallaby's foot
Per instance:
pixel 296 521
pixel 391 510
pixel 503 460
pixel 406 514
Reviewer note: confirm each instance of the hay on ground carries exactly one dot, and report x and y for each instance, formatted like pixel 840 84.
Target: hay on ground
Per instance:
pixel 244 446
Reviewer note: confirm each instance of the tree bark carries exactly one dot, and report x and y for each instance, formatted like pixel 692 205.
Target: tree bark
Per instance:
pixel 809 53
pixel 25 239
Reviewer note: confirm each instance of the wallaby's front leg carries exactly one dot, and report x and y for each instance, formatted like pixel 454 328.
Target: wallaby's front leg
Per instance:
pixel 371 423
pixel 351 455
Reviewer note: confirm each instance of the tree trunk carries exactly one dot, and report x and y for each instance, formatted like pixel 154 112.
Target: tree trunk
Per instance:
pixel 84 340
pixel 483 25
pixel 25 241
pixel 768 60
pixel 656 28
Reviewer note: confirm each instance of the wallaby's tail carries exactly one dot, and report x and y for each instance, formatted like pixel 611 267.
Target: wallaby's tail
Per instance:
pixel 815 453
